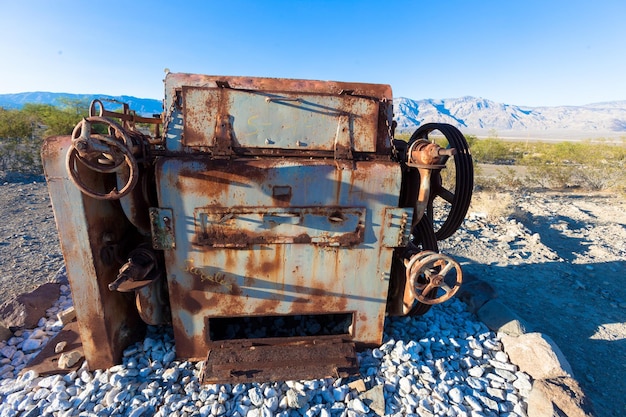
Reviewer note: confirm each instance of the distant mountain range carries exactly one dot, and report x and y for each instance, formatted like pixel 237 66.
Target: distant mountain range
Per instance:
pixel 143 106
pixel 472 115
pixel 484 117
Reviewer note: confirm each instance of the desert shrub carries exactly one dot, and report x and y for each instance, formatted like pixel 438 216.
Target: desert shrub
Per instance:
pixel 491 151
pixel 598 165
pixel 594 166
pixel 16 141
pixel 508 178
pixel 505 179
pixel 402 136
pixel 549 175
pixel 22 132
pixel 493 204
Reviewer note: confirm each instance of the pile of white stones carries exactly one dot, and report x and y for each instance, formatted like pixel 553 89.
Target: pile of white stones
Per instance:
pixel 444 363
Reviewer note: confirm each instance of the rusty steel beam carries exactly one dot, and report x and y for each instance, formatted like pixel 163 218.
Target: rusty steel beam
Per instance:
pixel 88 229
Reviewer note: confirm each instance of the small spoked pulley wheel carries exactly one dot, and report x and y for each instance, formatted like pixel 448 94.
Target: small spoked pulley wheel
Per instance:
pixel 102 153
pixel 451 187
pixel 400 301
pixel 429 271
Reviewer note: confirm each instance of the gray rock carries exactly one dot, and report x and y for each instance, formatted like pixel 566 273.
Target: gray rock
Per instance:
pixel 296 400
pixel 256 396
pixel 69 359
pixel 375 399
pixel 30 345
pixel 456 395
pixel 26 309
pixel 475 294
pixel 358 406
pixel 476 371
pixel 537 355
pixel 558 397
pixel 5 333
pixel 501 319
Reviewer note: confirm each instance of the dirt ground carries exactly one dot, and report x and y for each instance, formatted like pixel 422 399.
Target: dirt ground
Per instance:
pixel 557 259
pixel 29 246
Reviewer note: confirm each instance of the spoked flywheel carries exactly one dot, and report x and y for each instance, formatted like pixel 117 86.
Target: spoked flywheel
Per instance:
pixel 450 194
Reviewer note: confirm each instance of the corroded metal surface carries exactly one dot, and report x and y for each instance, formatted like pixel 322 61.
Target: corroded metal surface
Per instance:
pixel 88 229
pixel 276 360
pixel 242 227
pixel 334 261
pixel 264 199
pixel 297 121
pixel 260 115
pixel 459 193
pixel 46 362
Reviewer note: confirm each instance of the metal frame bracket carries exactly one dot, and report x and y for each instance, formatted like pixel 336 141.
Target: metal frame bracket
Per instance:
pixel 162 227
pixel 396 230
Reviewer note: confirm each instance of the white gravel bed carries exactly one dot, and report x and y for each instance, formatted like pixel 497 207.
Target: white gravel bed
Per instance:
pixel 444 363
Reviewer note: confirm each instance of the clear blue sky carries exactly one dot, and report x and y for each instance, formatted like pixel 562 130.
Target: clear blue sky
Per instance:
pixel 532 53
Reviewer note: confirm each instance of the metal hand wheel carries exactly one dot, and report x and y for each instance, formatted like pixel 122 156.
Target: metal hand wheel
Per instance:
pixel 401 301
pixel 426 272
pixel 101 153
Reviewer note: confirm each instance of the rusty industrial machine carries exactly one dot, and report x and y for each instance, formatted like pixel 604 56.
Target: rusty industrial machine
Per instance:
pixel 251 201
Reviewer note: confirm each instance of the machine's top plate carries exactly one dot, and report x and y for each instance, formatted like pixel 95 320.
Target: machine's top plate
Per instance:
pixel 220 114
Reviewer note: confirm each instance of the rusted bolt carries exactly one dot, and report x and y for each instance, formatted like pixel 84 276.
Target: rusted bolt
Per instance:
pixel 108 237
pixel 81 145
pixel 447 152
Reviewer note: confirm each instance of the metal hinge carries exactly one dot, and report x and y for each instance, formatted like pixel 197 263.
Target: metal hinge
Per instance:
pixel 343 138
pixel 223 136
pixel 396 229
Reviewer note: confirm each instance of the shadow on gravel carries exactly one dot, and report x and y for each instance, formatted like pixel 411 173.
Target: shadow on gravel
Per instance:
pixel 20 178
pixel 581 307
pixel 551 229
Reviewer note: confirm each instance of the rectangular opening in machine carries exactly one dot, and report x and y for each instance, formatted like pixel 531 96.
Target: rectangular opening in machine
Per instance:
pixel 269 327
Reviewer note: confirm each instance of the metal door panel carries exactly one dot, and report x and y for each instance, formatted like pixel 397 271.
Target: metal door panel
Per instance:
pixel 275 279
pixel 280 120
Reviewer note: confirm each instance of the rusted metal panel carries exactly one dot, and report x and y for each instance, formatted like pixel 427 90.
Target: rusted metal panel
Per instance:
pixel 242 227
pixel 201 113
pixel 302 120
pixel 306 115
pixel 107 321
pixel 177 80
pixel 46 362
pixel 242 361
pixel 273 278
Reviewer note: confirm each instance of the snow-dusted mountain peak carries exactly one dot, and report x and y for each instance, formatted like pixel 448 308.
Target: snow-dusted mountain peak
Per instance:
pixel 477 115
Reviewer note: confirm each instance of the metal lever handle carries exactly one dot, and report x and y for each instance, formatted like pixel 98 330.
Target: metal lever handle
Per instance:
pixel 268 99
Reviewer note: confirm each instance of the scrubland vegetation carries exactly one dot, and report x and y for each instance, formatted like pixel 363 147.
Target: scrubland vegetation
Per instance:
pixel 597 165
pixel 22 133
pixel 586 165
pixel 499 164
